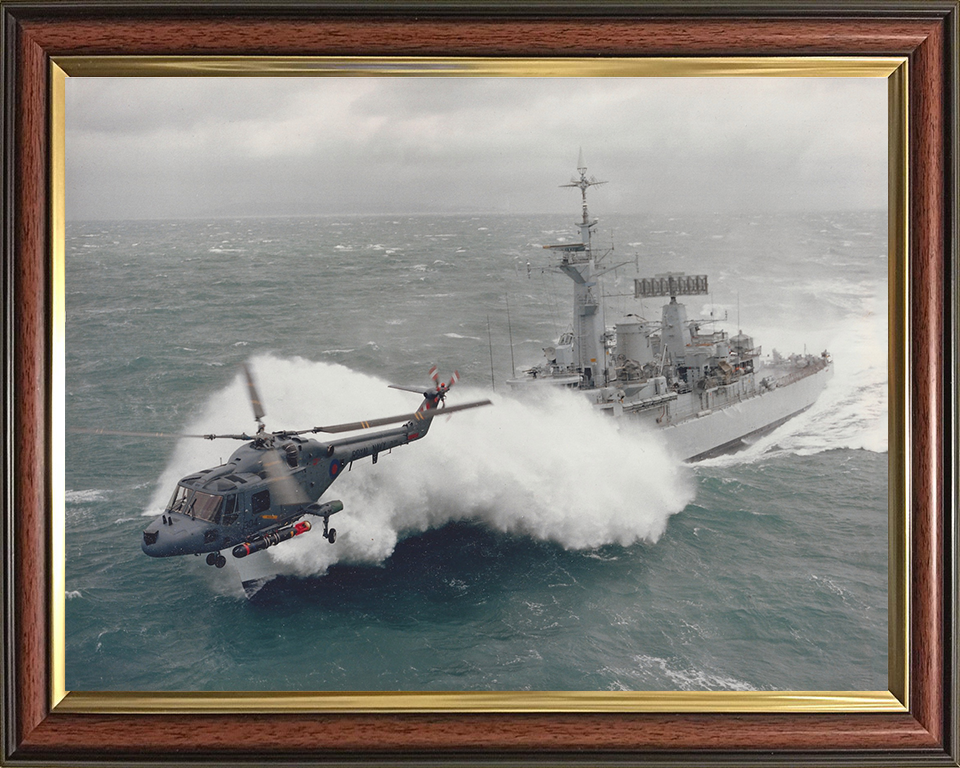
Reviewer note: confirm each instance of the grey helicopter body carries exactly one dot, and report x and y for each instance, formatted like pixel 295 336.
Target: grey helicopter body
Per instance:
pixel 261 495
pixel 265 486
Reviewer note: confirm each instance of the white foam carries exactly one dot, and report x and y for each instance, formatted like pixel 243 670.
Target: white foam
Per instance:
pixel 630 678
pixel 851 413
pixel 88 496
pixel 553 468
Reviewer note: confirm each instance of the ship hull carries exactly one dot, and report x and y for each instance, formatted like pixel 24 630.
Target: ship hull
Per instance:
pixel 728 429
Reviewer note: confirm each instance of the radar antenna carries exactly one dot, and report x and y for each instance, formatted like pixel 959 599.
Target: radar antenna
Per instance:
pixel 583 184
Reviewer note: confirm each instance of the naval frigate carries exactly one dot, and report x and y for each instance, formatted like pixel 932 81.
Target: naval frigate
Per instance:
pixel 707 393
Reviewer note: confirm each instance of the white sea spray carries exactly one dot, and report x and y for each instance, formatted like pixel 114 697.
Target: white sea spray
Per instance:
pixel 851 413
pixel 550 468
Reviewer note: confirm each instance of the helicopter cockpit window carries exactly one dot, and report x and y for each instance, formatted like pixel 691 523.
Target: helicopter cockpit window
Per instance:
pixel 260 502
pixel 202 506
pixel 205 506
pixel 179 499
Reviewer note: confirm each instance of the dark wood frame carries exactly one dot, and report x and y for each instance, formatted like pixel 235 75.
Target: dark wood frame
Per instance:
pixel 925 32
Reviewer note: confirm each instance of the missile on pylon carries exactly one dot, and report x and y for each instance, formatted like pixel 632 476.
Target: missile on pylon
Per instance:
pixel 271 539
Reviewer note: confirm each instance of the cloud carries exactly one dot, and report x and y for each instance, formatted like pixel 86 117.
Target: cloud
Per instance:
pixel 161 147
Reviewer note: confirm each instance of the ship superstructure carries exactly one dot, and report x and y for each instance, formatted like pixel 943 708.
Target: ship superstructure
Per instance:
pixel 706 391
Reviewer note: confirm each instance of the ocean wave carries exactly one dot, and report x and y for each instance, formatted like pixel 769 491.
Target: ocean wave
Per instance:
pixel 553 468
pixel 88 496
pixel 653 670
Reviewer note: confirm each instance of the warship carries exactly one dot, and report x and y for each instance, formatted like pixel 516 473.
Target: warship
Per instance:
pixel 707 392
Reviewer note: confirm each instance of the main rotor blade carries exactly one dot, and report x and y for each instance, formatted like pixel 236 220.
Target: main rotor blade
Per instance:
pixel 123 433
pixel 418 416
pixel 258 413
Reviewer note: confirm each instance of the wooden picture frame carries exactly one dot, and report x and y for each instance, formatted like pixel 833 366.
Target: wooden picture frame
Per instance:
pixel 35 35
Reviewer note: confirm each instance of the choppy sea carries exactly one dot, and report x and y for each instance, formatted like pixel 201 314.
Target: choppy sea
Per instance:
pixel 527 546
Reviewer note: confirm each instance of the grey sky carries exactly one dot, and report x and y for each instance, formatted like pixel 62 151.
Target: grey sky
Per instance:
pixel 195 147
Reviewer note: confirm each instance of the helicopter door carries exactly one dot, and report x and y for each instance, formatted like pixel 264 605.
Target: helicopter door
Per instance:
pixel 230 511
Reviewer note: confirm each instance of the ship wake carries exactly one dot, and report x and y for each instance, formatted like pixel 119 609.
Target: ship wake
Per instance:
pixel 851 413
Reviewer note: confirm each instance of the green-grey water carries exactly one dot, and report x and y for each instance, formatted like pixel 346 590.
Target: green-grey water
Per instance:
pixel 523 546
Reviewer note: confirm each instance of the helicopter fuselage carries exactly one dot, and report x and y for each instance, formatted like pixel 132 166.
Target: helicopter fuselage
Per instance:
pixel 264 486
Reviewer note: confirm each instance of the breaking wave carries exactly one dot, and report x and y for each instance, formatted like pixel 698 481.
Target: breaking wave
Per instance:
pixel 551 468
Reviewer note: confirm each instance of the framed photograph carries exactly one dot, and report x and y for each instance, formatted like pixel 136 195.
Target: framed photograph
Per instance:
pixel 246 221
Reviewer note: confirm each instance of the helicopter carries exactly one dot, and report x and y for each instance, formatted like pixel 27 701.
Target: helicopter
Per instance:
pixel 261 495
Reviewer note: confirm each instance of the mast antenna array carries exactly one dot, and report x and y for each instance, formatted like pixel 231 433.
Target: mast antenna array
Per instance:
pixel 583 184
pixel 672 284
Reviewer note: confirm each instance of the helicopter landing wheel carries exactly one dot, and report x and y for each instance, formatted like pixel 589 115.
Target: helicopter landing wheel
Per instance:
pixel 212 558
pixel 332 535
pixel 220 561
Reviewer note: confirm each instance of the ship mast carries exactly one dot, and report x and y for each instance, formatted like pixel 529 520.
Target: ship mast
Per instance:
pixel 583 184
pixel 579 264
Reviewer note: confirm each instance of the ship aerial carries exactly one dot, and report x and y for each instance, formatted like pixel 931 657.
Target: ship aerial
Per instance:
pixel 707 393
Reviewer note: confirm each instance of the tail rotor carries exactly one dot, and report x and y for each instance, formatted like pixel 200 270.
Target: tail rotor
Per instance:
pixel 442 388
pixel 435 397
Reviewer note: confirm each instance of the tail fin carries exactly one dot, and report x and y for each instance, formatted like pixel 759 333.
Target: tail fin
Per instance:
pixel 433 401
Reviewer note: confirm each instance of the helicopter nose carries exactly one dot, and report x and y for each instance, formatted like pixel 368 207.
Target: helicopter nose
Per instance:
pixel 156 540
pixel 151 535
pixel 173 534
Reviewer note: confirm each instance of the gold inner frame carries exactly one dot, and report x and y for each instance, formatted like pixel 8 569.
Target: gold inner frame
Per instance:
pixel 893 69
